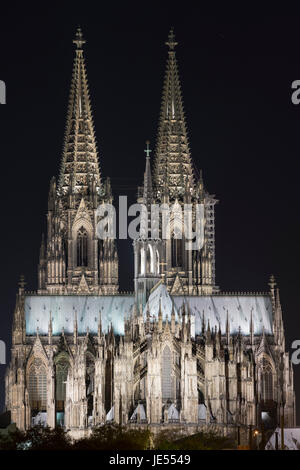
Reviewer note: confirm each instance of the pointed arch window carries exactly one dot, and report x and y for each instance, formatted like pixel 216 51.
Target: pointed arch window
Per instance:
pixel 176 252
pixel 142 261
pixel 109 372
pixel 148 260
pixel 61 369
pixel 266 378
pixel 37 386
pixel 167 389
pixel 157 262
pixel 82 247
pixel 90 382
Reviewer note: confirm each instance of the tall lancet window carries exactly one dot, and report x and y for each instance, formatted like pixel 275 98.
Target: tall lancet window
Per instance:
pixel 82 247
pixel 266 377
pixel 89 382
pixel 148 260
pixel 176 252
pixel 166 380
pixel 37 386
pixel 62 366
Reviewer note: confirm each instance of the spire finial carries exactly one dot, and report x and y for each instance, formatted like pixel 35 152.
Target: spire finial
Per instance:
pixel 79 41
pixel 22 282
pixel 272 282
pixel 171 40
pixel 147 150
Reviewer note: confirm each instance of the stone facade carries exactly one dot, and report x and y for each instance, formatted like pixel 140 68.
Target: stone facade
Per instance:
pixel 175 353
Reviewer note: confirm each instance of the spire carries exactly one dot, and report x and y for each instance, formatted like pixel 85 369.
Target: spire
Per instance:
pixel 22 285
pixel 147 175
pixel 272 285
pixel 208 334
pixel 79 159
pixel 278 327
pixel 99 325
pixel 50 328
pixel 203 322
pixel 160 317
pixel 75 334
pixel 183 324
pixel 227 328
pixel 218 340
pixel 173 162
pixel 42 249
pixel 173 318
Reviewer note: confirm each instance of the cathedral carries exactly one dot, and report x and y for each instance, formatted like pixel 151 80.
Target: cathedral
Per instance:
pixel 177 352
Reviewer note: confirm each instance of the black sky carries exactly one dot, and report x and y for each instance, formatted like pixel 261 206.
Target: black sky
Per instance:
pixel 236 74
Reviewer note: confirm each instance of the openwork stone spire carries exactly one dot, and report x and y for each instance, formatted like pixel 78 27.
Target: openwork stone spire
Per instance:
pixel 173 165
pixel 148 192
pixel 80 164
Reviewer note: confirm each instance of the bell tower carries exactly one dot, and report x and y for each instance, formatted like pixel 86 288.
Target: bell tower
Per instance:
pixel 73 259
pixel 175 184
pixel 147 249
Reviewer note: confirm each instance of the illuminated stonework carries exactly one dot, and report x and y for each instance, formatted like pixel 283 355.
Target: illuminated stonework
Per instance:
pixel 177 351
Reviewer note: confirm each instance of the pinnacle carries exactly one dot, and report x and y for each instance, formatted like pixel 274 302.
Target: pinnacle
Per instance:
pixel 272 282
pixel 171 40
pixel 79 41
pixel 22 282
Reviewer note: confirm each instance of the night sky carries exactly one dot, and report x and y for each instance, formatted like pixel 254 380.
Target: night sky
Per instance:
pixel 236 75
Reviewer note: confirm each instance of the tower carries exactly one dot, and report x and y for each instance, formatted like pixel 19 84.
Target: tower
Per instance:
pixel 175 187
pixel 147 248
pixel 73 259
pixel 174 353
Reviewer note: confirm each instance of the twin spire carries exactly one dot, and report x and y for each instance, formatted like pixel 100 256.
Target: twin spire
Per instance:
pixel 173 167
pixel 148 189
pixel 80 166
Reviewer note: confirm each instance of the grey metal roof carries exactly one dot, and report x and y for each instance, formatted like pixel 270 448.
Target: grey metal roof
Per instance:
pixel 115 308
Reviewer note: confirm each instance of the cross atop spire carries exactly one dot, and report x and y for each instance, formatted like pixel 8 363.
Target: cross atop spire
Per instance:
pixel 79 41
pixel 147 176
pixel 147 150
pixel 171 40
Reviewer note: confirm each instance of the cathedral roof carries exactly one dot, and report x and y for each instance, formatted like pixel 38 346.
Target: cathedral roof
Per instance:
pixel 214 308
pixel 115 308
pixel 160 299
pixel 65 308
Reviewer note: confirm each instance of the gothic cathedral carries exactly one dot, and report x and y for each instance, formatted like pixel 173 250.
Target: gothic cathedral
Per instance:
pixel 177 352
